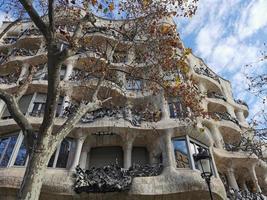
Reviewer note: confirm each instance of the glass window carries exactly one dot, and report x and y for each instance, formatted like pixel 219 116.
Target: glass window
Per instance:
pixel 64 151
pixel 181 153
pixel 133 84
pixel 63 155
pixel 177 110
pixel 22 155
pixel 6 148
pixel 51 161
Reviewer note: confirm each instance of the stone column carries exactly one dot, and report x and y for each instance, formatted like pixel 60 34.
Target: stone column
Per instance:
pixel 168 152
pixel 164 108
pixel 24 71
pixel 202 88
pixel 231 178
pixel 254 178
pixel 78 150
pixel 231 111
pixel 216 134
pixel 84 155
pixel 243 184
pixel 69 69
pixel 127 155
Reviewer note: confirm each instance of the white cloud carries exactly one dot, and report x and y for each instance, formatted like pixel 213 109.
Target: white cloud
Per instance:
pixel 253 18
pixel 225 33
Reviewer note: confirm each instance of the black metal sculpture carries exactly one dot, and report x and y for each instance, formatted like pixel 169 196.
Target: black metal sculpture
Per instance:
pixel 111 178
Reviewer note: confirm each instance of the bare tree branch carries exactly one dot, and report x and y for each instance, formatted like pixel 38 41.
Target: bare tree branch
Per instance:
pixel 36 18
pixel 19 117
pixel 51 16
pixel 24 84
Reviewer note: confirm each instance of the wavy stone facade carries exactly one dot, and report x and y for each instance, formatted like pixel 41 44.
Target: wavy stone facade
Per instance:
pixel 120 135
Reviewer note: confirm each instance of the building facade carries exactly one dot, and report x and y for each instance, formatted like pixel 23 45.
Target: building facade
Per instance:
pixel 121 134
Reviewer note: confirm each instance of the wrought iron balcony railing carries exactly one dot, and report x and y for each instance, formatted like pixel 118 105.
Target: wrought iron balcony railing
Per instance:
pixel 216 95
pixel 8 79
pixel 134 117
pixel 24 52
pixel 241 102
pixel 225 116
pixel 207 72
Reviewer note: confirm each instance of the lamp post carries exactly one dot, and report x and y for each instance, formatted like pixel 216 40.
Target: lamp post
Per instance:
pixel 203 161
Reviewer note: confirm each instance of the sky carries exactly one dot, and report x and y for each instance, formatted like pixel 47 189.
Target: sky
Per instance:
pixel 228 35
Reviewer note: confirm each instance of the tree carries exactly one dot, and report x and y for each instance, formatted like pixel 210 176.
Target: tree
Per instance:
pixel 68 30
pixel 257 85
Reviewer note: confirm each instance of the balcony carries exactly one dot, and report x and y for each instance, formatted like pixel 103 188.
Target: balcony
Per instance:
pixel 216 95
pixel 224 116
pixel 9 79
pixel 24 52
pixel 130 115
pixel 238 101
pixel 207 72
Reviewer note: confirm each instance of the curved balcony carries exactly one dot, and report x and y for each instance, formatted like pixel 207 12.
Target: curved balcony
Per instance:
pixel 16 62
pixel 211 82
pixel 240 159
pixel 184 184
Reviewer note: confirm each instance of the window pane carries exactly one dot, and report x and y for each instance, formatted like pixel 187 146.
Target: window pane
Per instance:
pixel 6 154
pixel 181 153
pixel 64 153
pixel 22 155
pixel 51 161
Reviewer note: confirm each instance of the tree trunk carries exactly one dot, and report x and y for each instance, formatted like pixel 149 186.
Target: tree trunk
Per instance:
pixel 32 182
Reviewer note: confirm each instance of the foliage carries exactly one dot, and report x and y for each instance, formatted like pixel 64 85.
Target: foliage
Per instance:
pixel 69 32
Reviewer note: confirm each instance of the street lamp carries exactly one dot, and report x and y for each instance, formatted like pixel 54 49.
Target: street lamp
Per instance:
pixel 203 161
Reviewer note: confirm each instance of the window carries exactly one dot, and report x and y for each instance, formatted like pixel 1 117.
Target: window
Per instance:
pixel 133 84
pixel 184 151
pixel 7 145
pixel 39 105
pixel 61 157
pixel 181 153
pixel 119 57
pixel 103 156
pixel 177 110
pixel 22 155
pixel 140 155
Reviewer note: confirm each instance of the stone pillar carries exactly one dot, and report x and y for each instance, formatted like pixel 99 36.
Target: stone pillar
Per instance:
pixel 216 134
pixel 65 103
pixel 168 152
pixel 243 184
pixel 164 108
pixel 24 71
pixel 127 155
pixel 78 150
pixel 128 140
pixel 202 88
pixel 255 179
pixel 84 155
pixel 231 111
pixel 231 178
pixel 69 69
pixel 240 116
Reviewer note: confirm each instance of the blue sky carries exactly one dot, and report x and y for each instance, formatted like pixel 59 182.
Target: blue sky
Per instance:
pixel 228 34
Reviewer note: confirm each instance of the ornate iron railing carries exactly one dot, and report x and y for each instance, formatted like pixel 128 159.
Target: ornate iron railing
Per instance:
pixel 216 95
pixel 241 102
pixel 225 116
pixel 111 178
pixel 8 79
pixel 134 117
pixel 207 72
